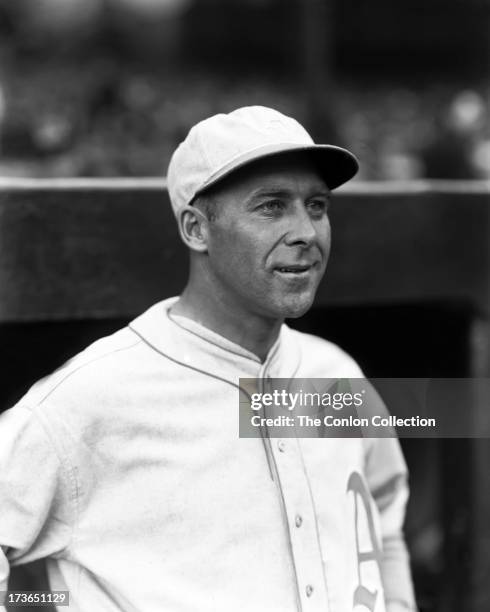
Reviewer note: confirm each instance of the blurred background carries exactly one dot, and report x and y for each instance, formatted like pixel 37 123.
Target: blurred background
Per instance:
pixel 108 88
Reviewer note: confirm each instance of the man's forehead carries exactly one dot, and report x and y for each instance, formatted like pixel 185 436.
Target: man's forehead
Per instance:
pixel 276 183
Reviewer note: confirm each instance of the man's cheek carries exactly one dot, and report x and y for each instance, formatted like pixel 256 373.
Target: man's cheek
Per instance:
pixel 222 248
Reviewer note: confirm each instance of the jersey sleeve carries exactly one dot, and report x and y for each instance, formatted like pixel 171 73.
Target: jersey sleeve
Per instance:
pixel 35 492
pixel 387 478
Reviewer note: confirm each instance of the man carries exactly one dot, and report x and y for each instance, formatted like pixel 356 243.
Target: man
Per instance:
pixel 124 468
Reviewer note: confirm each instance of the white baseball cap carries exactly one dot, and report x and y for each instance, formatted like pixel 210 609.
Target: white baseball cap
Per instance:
pixel 223 143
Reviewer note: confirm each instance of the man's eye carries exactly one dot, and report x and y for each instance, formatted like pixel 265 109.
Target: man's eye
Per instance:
pixel 318 206
pixel 271 206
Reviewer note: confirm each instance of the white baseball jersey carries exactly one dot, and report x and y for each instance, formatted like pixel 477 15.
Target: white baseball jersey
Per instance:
pixel 125 470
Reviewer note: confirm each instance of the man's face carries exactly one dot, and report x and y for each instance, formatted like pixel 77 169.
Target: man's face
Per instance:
pixel 269 245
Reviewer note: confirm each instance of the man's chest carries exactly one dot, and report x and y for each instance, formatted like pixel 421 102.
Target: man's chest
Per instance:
pixel 293 517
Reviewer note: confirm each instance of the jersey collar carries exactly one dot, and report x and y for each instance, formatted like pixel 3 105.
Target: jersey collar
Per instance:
pixel 193 345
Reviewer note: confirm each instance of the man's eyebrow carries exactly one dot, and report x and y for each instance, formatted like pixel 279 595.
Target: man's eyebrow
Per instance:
pixel 268 192
pixel 321 192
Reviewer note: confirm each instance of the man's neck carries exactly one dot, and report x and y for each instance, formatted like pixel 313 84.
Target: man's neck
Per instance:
pixel 255 334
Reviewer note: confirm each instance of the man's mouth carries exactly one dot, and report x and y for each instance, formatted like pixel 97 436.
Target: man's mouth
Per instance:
pixel 295 270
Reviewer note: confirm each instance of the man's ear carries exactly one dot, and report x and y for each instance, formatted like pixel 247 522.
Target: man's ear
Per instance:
pixel 193 228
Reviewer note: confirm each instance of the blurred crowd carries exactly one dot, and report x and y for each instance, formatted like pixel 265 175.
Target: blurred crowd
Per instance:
pixel 96 88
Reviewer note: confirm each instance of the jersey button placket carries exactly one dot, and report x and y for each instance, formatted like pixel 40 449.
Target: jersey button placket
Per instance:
pixel 301 524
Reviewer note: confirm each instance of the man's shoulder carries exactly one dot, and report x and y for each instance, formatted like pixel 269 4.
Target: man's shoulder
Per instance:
pixel 92 367
pixel 324 359
pixel 107 368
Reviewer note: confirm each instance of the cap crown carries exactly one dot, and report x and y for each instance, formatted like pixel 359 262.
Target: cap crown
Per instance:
pixel 216 146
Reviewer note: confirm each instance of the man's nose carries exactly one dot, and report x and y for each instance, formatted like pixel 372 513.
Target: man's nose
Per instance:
pixel 302 230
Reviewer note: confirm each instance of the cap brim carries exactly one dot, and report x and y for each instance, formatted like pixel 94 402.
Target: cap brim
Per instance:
pixel 336 165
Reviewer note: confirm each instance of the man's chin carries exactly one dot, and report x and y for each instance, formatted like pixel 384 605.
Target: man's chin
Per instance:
pixel 293 309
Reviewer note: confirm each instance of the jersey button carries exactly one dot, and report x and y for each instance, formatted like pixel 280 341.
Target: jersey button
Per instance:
pixel 309 590
pixel 298 521
pixel 281 445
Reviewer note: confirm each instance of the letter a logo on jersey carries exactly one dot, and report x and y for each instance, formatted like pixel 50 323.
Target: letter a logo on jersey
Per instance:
pixel 362 595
